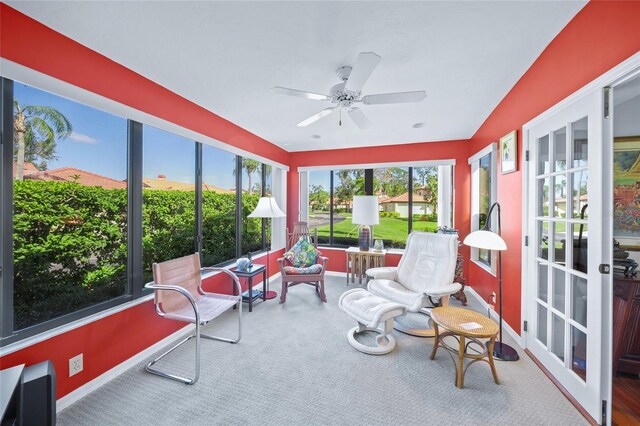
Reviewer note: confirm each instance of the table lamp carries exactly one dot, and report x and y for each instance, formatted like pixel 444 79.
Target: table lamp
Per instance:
pixel 267 208
pixel 488 240
pixel 365 213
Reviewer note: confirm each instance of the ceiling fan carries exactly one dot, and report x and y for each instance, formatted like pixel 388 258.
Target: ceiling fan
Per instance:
pixel 344 95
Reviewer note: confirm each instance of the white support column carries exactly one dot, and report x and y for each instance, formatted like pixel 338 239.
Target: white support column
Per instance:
pixel 278 225
pixel 304 196
pixel 445 196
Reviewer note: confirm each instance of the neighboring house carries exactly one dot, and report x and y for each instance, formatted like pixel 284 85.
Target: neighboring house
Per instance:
pixel 422 203
pixel 71 174
pixel 29 169
pixel 162 183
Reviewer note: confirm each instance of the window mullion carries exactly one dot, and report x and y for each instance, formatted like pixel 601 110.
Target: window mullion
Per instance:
pixel 134 209
pixel 198 194
pixel 410 212
pixel 6 209
pixel 238 206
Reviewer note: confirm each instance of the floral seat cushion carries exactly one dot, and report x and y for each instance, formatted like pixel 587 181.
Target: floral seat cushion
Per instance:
pixel 303 254
pixel 311 270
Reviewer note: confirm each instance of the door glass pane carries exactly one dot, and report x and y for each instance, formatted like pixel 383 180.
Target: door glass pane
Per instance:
pixel 560 149
pixel 543 155
pixel 543 196
pixel 580 254
pixel 542 324
pixel 579 300
pixel 579 353
pixel 543 281
pixel 557 331
pixel 560 196
pixel 543 239
pixel 559 241
pixel 579 142
pixel 558 289
pixel 579 194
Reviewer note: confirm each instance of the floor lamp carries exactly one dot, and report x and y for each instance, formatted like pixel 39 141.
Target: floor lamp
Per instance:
pixel 488 240
pixel 268 208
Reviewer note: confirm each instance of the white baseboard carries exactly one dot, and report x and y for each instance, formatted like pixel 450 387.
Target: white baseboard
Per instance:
pixel 104 378
pixel 494 315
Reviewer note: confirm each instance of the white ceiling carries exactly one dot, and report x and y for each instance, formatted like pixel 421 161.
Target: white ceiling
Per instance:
pixel 225 56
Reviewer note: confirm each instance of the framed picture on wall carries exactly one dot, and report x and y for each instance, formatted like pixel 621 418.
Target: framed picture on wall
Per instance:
pixel 626 191
pixel 509 153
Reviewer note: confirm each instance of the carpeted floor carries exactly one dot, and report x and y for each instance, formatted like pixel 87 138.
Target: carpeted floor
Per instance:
pixel 295 366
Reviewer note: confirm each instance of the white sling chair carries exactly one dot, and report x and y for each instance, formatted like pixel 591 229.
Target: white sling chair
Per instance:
pixel 425 273
pixel 179 296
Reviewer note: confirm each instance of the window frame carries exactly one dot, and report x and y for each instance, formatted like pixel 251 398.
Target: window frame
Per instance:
pixel 474 163
pixel 135 292
pixel 444 197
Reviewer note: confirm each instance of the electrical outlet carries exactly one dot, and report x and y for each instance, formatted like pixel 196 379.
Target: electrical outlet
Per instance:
pixel 75 365
pixel 493 297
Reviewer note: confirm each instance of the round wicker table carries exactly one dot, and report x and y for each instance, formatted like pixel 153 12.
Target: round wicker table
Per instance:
pixel 467 327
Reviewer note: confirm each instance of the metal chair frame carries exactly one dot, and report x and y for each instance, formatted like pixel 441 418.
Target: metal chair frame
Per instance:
pixel 198 323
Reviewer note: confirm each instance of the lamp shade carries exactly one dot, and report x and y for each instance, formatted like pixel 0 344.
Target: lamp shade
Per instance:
pixel 485 240
pixel 267 207
pixel 365 210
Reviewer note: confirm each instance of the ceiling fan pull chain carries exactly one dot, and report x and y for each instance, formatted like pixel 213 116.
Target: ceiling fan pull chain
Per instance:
pixel 340 121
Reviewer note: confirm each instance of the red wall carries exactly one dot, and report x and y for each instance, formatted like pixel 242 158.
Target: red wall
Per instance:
pixel 111 340
pixel 601 35
pixel 457 150
pixel 68 60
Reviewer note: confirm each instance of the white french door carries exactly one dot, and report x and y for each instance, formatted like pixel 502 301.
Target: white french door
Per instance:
pixel 565 250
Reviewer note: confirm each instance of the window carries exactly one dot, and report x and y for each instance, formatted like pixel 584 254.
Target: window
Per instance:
pixel 91 200
pixel 483 195
pixel 252 190
pixel 69 207
pixel 391 185
pixel 218 206
pixel 168 198
pixel 410 199
pixel 346 184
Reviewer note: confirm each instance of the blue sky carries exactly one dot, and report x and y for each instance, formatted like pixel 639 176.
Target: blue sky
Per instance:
pixel 99 144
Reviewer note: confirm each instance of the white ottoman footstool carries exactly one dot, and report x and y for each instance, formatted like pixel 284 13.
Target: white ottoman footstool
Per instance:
pixel 370 311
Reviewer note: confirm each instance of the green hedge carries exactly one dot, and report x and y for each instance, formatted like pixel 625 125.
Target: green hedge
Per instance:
pixel 70 241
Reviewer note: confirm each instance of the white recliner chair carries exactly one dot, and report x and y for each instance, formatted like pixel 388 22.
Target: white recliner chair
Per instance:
pixel 424 274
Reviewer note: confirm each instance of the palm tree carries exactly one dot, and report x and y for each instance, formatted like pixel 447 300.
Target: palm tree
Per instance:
pixel 37 129
pixel 250 166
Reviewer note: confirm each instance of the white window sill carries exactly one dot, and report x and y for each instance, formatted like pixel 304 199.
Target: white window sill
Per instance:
pixel 484 266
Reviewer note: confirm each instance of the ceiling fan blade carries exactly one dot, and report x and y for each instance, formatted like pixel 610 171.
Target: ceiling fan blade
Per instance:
pixel 364 66
pixel 359 118
pixel 316 117
pixel 394 98
pixel 300 93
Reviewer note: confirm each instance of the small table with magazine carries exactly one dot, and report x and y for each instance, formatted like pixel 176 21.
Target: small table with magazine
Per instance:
pixel 463 324
pixel 249 296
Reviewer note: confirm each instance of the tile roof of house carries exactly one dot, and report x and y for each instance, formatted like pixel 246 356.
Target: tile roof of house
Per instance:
pixel 402 198
pixel 29 168
pixel 164 184
pixel 83 177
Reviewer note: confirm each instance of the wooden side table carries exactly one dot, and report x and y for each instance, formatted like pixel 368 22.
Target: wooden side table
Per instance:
pixel 465 324
pixel 359 261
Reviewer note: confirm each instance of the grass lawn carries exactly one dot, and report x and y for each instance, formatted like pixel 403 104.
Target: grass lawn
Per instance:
pixel 389 228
